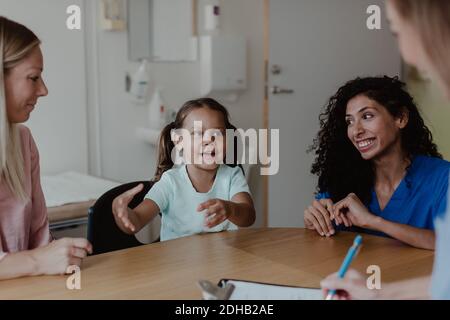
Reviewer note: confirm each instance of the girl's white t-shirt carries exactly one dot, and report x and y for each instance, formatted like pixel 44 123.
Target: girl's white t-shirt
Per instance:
pixel 178 200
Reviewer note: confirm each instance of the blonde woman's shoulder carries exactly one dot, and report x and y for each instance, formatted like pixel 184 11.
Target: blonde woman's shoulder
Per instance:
pixel 24 130
pixel 27 140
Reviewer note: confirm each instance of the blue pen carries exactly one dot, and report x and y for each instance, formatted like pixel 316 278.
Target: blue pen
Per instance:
pixel 348 259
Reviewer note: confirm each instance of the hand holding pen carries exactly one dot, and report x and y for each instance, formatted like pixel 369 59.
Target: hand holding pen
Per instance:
pixel 347 285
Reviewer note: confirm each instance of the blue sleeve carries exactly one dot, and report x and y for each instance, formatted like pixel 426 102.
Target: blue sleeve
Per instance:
pixel 322 195
pixel 238 183
pixel 161 192
pixel 440 281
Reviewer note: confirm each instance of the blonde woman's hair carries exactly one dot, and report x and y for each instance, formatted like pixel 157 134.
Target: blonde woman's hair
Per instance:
pixel 431 19
pixel 16 42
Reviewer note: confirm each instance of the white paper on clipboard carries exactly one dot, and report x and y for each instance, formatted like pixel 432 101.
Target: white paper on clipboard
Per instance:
pixel 248 290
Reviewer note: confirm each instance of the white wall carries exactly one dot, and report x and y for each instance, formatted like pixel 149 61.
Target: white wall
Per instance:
pixel 85 73
pixel 435 110
pixel 122 156
pixel 320 45
pixel 59 123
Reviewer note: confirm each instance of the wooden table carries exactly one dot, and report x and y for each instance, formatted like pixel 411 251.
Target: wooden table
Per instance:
pixel 171 269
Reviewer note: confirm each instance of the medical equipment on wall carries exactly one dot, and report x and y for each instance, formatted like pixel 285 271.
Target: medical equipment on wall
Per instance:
pixel 140 83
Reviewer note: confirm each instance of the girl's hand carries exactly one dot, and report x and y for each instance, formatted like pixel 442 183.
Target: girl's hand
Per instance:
pixel 218 211
pixel 55 257
pixel 354 210
pixel 120 207
pixel 352 287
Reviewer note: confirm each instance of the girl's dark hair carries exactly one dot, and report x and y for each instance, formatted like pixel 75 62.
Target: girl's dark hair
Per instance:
pixel 339 165
pixel 165 141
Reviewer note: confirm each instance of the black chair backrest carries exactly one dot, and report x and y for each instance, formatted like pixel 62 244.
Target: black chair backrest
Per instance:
pixel 103 232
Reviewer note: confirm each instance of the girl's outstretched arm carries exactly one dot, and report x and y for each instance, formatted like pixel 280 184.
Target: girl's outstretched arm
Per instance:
pixel 129 220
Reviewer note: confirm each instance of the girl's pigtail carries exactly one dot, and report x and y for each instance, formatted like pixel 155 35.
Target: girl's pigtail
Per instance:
pixel 164 152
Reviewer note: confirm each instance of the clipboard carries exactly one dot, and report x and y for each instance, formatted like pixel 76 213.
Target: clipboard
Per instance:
pixel 252 290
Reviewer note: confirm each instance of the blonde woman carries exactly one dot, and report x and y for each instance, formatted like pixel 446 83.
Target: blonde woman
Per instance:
pixel 25 242
pixel 423 32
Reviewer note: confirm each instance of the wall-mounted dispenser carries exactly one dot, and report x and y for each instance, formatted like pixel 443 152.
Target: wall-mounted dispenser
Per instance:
pixel 223 64
pixel 212 13
pixel 139 83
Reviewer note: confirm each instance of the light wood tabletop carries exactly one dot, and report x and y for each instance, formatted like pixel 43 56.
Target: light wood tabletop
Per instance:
pixel 171 269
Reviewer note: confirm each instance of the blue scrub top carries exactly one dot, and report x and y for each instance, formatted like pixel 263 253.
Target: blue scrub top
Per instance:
pixel 420 197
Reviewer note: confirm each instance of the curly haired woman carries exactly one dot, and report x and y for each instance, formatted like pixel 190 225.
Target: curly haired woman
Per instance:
pixel 379 170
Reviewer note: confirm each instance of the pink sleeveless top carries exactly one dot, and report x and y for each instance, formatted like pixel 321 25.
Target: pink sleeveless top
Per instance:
pixel 24 226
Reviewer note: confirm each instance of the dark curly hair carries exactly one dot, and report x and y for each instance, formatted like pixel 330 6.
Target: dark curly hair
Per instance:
pixel 339 165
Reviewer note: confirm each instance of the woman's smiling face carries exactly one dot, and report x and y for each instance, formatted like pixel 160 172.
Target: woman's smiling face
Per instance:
pixel 371 128
pixel 24 86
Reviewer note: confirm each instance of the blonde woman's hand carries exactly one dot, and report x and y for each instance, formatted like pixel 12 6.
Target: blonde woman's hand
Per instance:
pixel 352 287
pixel 58 255
pixel 121 211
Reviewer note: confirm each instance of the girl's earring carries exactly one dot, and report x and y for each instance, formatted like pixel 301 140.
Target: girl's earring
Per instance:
pixel 179 147
pixel 179 154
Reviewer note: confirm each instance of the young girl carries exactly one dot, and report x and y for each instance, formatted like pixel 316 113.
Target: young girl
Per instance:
pixel 201 195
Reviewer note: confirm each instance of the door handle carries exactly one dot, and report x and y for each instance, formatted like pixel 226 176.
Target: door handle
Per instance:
pixel 278 90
